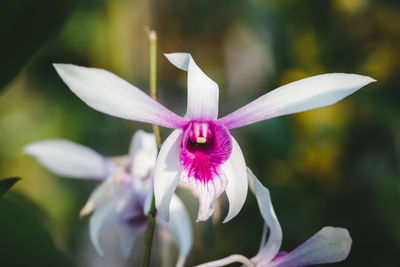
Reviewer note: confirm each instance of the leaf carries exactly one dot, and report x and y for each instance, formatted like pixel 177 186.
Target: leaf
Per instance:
pixel 26 234
pixel 25 26
pixel 6 184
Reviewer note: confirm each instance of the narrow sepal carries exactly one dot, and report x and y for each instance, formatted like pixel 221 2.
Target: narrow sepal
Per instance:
pixel 306 94
pixel 69 159
pixel 107 93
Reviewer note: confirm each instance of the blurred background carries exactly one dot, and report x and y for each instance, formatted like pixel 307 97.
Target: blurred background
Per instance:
pixel 336 166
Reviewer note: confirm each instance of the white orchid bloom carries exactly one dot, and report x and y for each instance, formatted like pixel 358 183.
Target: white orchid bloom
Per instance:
pixel 122 199
pixel 201 151
pixel 330 244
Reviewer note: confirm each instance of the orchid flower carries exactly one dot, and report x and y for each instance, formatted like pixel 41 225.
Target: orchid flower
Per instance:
pixel 200 151
pixel 123 197
pixel 330 244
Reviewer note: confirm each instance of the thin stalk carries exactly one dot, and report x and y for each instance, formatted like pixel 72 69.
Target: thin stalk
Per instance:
pixel 153 77
pixel 151 217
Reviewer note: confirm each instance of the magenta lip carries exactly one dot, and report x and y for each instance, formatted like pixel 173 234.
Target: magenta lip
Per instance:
pixel 205 146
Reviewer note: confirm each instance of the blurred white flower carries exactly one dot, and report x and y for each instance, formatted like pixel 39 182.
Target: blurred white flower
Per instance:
pixel 123 198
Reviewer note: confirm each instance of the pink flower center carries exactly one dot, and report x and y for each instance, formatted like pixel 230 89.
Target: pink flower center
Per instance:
pixel 200 133
pixel 205 146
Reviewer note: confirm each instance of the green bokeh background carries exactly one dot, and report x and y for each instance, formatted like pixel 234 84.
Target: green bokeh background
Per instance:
pixel 334 166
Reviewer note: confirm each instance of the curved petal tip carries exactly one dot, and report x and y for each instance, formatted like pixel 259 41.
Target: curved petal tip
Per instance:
pixel 236 190
pixel 179 60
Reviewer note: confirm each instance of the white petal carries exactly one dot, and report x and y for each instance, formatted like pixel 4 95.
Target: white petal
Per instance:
pixel 202 91
pixel 180 229
pixel 306 94
pixel 107 93
pixel 269 250
pixel 330 244
pixel 131 218
pixel 99 196
pixel 235 171
pixel 69 159
pixel 125 211
pixel 105 191
pixel 143 153
pixel 102 218
pixel 167 172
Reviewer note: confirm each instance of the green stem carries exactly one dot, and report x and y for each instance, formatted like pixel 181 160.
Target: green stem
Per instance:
pixel 148 238
pixel 151 217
